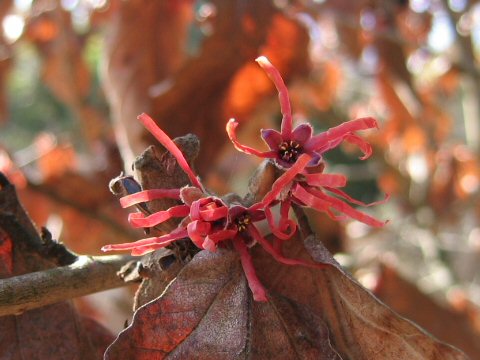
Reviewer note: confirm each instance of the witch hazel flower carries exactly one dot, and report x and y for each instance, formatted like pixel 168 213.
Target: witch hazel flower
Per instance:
pixel 287 145
pixel 206 219
pixel 299 152
pixel 203 217
pixel 314 190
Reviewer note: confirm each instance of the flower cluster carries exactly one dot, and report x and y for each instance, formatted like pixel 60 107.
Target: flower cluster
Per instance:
pixel 210 221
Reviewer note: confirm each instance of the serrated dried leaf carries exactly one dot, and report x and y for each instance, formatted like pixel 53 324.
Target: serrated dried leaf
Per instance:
pixel 207 313
pixel 361 327
pixel 405 298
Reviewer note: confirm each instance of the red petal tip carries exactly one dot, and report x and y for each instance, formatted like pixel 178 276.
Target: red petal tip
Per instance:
pixel 260 296
pixel 263 60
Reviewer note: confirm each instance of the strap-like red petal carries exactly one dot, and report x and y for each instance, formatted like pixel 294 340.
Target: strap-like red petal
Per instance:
pixel 222 235
pixel 168 143
pixel 140 220
pixel 334 136
pixel 286 178
pixel 149 195
pixel 231 126
pixel 307 199
pixel 364 146
pixel 197 231
pixel 275 252
pixel 346 209
pixel 332 180
pixel 214 214
pixel 276 230
pixel 355 201
pixel 285 107
pixel 259 293
pixel 160 241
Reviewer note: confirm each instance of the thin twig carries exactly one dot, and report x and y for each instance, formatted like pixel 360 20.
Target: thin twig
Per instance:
pixel 85 276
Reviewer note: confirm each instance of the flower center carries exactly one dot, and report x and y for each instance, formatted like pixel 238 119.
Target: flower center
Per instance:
pixel 242 222
pixel 289 151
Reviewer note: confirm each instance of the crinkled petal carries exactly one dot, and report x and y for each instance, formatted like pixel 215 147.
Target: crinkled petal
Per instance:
pixel 336 134
pixel 272 138
pixel 149 195
pixel 161 241
pixel 195 210
pixel 302 133
pixel 231 126
pixel 332 180
pixel 355 201
pixel 364 146
pixel 168 143
pixel 259 293
pixel 214 214
pixel 286 178
pixel 307 199
pixel 142 250
pixel 275 252
pixel 140 220
pixel 285 107
pixel 276 230
pixel 330 145
pixel 197 231
pixel 346 209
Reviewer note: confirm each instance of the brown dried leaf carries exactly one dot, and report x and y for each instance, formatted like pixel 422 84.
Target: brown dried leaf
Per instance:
pixel 405 298
pixel 6 253
pixel 51 332
pixel 360 326
pixel 207 313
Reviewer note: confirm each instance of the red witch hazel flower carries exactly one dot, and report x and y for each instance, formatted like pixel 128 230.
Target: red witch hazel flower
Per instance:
pixel 206 219
pixel 287 145
pixel 298 186
pixel 300 153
